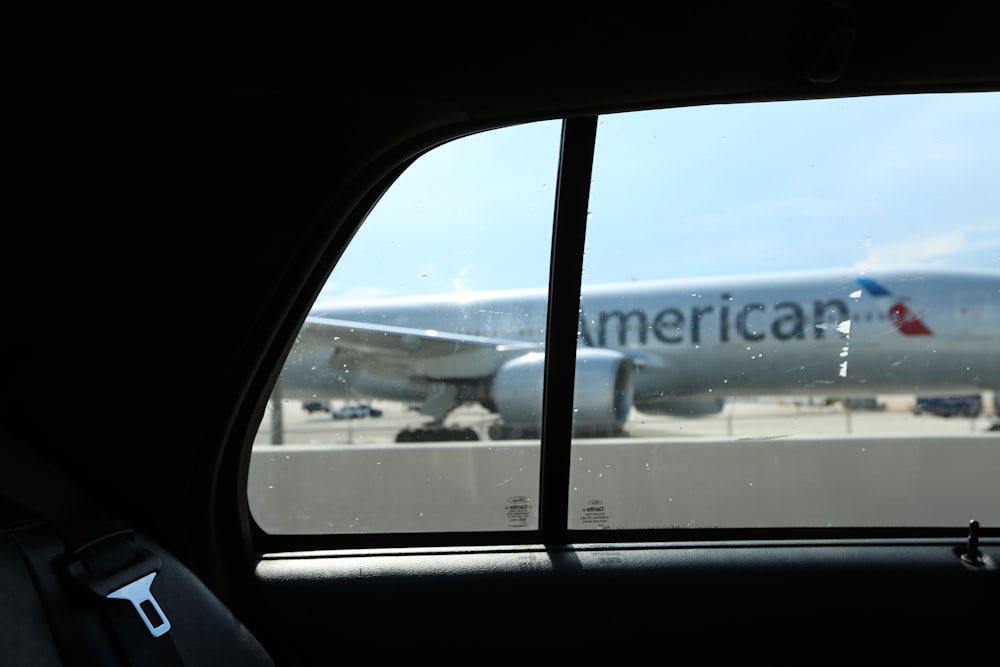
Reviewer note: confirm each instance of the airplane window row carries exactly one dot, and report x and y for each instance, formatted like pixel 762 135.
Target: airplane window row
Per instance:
pixel 767 292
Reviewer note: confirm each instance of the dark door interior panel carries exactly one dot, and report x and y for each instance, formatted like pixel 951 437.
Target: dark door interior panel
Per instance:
pixel 809 600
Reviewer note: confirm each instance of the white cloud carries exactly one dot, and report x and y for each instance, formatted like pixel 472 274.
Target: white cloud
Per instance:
pixel 920 250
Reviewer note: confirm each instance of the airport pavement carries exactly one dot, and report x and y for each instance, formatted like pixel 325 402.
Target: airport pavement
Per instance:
pixel 763 418
pixel 746 467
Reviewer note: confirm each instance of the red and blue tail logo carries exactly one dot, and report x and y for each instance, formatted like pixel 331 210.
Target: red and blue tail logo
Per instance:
pixel 905 320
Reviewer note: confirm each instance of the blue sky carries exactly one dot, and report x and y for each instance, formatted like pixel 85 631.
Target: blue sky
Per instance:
pixel 714 190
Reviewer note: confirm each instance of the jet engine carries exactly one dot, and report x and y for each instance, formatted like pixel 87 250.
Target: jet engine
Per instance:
pixel 605 387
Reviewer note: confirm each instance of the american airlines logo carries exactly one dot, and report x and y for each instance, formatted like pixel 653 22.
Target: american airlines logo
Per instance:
pixel 907 322
pixel 725 322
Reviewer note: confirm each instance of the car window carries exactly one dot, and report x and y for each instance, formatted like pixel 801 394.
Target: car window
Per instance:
pixel 799 288
pixel 381 418
pixel 787 319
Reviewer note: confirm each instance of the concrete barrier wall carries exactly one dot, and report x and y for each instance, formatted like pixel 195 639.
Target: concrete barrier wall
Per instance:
pixel 698 483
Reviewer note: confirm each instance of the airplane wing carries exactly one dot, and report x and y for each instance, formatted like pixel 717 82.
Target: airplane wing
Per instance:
pixel 425 352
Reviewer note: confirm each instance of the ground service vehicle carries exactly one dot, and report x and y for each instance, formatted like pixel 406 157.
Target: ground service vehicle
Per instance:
pixel 356 412
pixel 949 406
pixel 186 188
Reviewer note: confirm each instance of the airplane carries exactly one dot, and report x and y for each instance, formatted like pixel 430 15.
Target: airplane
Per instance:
pixel 667 347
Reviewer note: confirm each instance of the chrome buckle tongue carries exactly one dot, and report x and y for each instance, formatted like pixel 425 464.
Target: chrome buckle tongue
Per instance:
pixel 139 594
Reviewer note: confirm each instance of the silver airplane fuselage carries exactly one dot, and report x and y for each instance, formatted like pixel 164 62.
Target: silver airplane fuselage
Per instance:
pixel 823 333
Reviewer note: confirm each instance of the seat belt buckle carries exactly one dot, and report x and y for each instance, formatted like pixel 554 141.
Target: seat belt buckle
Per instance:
pixel 139 594
pixel 131 581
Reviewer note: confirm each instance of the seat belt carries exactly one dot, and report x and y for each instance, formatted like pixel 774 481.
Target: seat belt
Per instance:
pixel 102 562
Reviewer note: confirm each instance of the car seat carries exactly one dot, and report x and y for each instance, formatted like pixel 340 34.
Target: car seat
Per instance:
pixel 81 588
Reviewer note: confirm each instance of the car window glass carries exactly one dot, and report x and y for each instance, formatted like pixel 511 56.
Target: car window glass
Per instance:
pixel 790 316
pixel 380 421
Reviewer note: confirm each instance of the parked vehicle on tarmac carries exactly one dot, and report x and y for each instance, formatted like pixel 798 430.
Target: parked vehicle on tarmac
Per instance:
pixel 356 412
pixel 950 406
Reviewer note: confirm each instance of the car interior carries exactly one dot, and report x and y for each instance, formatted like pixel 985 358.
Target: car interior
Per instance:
pixel 303 364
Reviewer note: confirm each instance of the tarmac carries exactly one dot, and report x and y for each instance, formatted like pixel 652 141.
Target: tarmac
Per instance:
pixel 744 418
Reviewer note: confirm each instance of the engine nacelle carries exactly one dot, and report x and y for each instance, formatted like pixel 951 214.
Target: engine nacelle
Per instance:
pixel 605 387
pixel 682 406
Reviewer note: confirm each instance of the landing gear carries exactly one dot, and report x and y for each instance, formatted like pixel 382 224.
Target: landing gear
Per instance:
pixel 437 434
